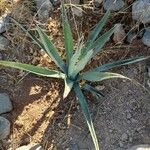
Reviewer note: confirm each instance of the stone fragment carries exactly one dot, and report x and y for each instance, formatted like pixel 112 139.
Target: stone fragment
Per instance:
pixel 5 103
pixel 141 11
pixel 4 23
pixel 119 34
pixel 4 128
pixel 146 37
pixel 113 5
pixel 4 43
pixel 44 7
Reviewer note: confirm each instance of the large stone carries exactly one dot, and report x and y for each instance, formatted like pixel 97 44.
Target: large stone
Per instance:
pixel 4 128
pixel 5 103
pixel 140 147
pixel 31 147
pixel 44 7
pixel 146 37
pixel 113 5
pixel 4 23
pixel 141 11
pixel 4 43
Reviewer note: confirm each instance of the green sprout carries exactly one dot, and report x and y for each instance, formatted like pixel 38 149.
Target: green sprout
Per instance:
pixel 71 71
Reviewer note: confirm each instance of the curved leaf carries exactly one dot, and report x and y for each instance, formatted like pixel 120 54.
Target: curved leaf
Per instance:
pixel 101 41
pixel 68 39
pixel 119 63
pixel 87 115
pixel 51 50
pixel 95 32
pixel 33 69
pixel 100 76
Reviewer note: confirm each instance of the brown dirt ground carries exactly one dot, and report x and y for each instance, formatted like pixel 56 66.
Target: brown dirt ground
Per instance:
pixel 41 115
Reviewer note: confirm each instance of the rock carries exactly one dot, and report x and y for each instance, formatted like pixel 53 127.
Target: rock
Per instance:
pixel 114 5
pixel 149 71
pixel 4 128
pixel 4 23
pixel 4 43
pixel 55 2
pixel 74 147
pixel 97 3
pixel 43 8
pixel 124 137
pixel 77 11
pixel 34 146
pixel 140 147
pixel 119 34
pixel 146 37
pixel 131 36
pixel 5 103
pixel 141 11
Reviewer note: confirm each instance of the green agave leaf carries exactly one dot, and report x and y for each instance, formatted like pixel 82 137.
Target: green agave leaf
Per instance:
pixel 100 76
pixel 95 32
pixel 68 87
pixel 101 41
pixel 51 50
pixel 68 38
pixel 93 90
pixel 82 63
pixel 115 64
pixel 35 39
pixel 33 69
pixel 74 59
pixel 87 115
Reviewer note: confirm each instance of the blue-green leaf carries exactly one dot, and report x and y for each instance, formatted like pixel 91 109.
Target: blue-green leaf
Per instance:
pixel 74 59
pixel 68 38
pixel 68 87
pixel 87 115
pixel 93 90
pixel 95 32
pixel 101 41
pixel 51 50
pixel 100 76
pixel 33 69
pixel 82 63
pixel 119 63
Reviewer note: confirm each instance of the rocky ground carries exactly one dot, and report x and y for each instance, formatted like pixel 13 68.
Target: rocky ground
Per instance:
pixel 32 111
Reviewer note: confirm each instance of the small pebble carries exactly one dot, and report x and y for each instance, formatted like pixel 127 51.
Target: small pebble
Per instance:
pixel 119 34
pixel 131 36
pixel 124 137
pixel 4 43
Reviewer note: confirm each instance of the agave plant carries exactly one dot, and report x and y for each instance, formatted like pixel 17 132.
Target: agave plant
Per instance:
pixel 71 71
